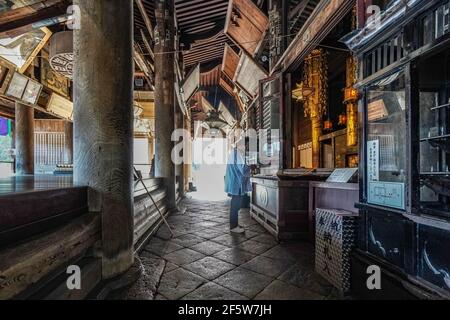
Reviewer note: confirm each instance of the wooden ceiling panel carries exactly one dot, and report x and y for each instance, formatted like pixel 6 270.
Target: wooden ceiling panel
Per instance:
pixel 201 24
pixel 246 25
pixel 227 85
pixel 230 62
pixel 248 75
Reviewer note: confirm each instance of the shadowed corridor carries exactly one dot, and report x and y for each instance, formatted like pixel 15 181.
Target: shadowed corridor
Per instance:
pixel 204 261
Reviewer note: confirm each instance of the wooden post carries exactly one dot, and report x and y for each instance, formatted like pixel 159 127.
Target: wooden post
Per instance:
pixel 103 123
pixel 24 139
pixel 316 125
pixel 188 153
pixel 68 133
pixel 180 168
pixel 165 96
pixel 316 73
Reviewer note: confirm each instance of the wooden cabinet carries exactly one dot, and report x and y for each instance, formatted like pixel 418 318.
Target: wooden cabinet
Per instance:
pixel 281 204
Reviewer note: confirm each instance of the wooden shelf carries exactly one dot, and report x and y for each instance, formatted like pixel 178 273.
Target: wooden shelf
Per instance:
pixel 437 173
pixel 434 209
pixel 442 137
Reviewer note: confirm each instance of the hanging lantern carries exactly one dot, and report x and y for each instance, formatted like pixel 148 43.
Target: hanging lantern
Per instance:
pixel 302 92
pixel 61 56
pixel 328 125
pixel 350 95
pixel 215 121
pixel 343 119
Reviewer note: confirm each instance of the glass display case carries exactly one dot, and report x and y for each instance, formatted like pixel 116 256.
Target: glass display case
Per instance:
pixel 404 206
pixel 434 119
pixel 386 141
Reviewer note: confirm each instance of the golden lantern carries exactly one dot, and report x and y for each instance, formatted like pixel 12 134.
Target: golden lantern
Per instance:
pixel 342 119
pixel 328 125
pixel 350 95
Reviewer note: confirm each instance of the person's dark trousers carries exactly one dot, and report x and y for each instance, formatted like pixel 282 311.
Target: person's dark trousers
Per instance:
pixel 236 202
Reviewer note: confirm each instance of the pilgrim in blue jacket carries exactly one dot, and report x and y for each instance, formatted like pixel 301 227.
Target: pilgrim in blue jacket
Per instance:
pixel 237 184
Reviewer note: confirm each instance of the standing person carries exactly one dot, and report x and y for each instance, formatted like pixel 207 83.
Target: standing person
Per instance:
pixel 237 184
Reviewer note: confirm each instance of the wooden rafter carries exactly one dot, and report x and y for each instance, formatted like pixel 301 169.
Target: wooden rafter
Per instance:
pixel 145 16
pixel 24 16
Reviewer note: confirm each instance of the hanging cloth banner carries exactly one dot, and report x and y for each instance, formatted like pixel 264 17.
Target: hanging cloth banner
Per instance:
pixel 4 127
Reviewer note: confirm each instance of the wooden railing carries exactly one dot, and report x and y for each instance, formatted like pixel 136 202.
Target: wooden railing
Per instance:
pixel 146 216
pixel 29 267
pixel 45 232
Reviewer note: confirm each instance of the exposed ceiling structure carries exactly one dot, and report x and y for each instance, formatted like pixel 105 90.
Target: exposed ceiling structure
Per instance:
pixel 17 15
pixel 299 12
pixel 200 25
pixel 203 31
pixel 200 22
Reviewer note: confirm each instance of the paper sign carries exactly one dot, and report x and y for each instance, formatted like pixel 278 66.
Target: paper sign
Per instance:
pixel 342 175
pixel 373 160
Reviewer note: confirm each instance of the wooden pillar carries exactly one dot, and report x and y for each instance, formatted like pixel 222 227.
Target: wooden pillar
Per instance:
pixel 316 74
pixel 188 153
pixel 351 102
pixel 103 123
pixel 165 96
pixel 24 139
pixel 180 168
pixel 68 133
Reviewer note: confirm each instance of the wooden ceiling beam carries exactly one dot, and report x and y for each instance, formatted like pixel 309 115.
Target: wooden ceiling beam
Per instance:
pixel 297 12
pixel 148 46
pixel 193 37
pixel 30 18
pixel 147 20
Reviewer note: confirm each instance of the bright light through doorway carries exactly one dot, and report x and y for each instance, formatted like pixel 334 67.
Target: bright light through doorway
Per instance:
pixel 209 169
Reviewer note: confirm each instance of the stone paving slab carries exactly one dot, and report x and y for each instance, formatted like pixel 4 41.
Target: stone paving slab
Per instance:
pixel 212 291
pixel 243 281
pixel 304 276
pixel 209 233
pixel 176 284
pixel 235 256
pixel 183 256
pixel 254 246
pixel 265 238
pixel 209 247
pixel 146 286
pixel 279 290
pixel 230 240
pixel 205 262
pixel 209 268
pixel 284 252
pixel 161 247
pixel 269 267
pixel 188 240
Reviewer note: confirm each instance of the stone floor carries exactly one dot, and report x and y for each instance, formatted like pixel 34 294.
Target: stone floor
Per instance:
pixel 204 261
